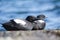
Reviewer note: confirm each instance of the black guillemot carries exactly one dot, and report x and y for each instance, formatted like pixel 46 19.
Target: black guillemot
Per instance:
pixel 20 24
pixel 39 23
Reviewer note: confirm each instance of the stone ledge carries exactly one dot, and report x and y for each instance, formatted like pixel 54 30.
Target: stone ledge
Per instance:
pixel 30 35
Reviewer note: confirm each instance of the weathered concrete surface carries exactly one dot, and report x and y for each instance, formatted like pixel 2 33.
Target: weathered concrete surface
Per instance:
pixel 30 35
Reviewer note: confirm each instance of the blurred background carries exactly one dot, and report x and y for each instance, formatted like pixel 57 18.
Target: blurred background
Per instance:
pixel 11 9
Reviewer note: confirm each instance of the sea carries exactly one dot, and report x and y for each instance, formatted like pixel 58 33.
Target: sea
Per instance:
pixel 20 9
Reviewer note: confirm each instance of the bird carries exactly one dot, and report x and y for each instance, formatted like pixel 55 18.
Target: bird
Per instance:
pixel 39 23
pixel 20 24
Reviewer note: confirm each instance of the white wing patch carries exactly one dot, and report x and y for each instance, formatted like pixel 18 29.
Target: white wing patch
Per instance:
pixel 19 21
pixel 41 21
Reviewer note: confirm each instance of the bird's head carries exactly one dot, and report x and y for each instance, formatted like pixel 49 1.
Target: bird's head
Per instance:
pixel 31 18
pixel 41 17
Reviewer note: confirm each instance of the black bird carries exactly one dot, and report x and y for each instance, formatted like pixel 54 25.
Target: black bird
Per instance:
pixel 39 23
pixel 19 24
